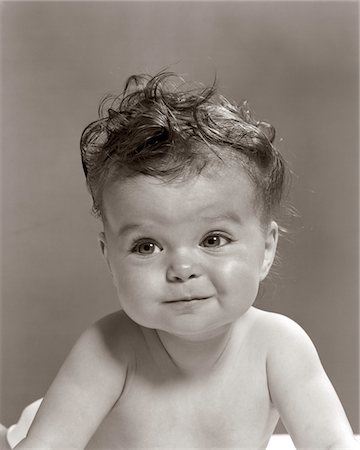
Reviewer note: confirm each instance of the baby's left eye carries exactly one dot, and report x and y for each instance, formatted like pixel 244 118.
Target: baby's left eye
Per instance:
pixel 215 240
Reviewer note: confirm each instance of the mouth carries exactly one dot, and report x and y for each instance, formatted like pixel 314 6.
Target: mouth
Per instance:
pixel 188 300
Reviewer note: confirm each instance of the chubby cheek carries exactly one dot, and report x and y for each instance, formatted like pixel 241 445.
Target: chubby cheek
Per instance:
pixel 137 290
pixel 237 282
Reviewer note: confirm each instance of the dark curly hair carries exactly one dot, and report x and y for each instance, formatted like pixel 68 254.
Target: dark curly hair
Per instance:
pixel 162 127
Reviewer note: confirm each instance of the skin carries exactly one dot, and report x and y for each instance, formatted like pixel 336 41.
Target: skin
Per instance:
pixel 189 362
pixel 188 243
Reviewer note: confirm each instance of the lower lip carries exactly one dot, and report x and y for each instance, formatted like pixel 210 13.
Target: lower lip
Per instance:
pixel 188 304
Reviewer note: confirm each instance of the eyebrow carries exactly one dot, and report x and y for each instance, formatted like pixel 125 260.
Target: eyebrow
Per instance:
pixel 129 227
pixel 230 216
pixel 226 216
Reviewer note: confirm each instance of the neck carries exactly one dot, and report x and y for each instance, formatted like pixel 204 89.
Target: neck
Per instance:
pixel 197 353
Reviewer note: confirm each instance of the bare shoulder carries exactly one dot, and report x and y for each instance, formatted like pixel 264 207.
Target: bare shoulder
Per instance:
pixel 115 326
pixel 299 387
pixel 102 350
pixel 285 343
pixel 291 355
pixel 88 385
pixel 114 335
pixel 279 330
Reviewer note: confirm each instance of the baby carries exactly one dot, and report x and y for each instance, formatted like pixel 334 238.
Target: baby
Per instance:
pixel 187 186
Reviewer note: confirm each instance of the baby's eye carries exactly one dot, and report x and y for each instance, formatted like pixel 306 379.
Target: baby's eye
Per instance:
pixel 146 248
pixel 215 240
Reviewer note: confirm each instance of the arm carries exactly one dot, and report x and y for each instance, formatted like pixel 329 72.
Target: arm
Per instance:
pixel 85 389
pixel 301 391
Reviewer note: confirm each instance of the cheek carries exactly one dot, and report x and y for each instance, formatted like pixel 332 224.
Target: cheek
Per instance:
pixel 136 282
pixel 136 290
pixel 237 277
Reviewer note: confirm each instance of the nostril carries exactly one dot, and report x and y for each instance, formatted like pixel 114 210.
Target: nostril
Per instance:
pixel 182 272
pixel 185 278
pixel 180 278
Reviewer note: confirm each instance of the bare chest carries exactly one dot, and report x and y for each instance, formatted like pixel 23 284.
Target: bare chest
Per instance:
pixel 228 408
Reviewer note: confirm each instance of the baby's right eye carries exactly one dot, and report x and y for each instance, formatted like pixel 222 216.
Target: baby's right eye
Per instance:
pixel 145 248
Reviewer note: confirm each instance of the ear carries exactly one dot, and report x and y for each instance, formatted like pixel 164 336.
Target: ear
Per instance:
pixel 104 250
pixel 271 239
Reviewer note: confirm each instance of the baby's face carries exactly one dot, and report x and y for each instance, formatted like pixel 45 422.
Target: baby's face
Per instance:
pixel 186 257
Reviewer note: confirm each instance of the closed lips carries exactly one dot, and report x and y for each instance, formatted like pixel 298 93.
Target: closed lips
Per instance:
pixel 188 299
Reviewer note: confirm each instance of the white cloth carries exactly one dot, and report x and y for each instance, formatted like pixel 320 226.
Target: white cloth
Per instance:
pixel 18 432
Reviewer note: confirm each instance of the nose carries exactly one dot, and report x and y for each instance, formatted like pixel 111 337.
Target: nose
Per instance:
pixel 182 268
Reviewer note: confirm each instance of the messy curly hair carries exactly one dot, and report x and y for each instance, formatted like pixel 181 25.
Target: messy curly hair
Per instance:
pixel 162 127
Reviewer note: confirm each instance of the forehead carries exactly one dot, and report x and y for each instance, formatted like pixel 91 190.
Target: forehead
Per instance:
pixel 225 193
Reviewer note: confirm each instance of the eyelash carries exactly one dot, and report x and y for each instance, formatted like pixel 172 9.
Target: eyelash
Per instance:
pixel 135 247
pixel 217 235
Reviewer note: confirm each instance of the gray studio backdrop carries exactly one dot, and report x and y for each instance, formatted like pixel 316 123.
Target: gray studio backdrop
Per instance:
pixel 296 63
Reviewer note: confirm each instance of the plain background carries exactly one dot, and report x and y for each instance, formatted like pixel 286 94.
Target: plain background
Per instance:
pixel 296 64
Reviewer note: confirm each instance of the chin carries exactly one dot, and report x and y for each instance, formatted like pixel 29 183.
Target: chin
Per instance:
pixel 195 328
